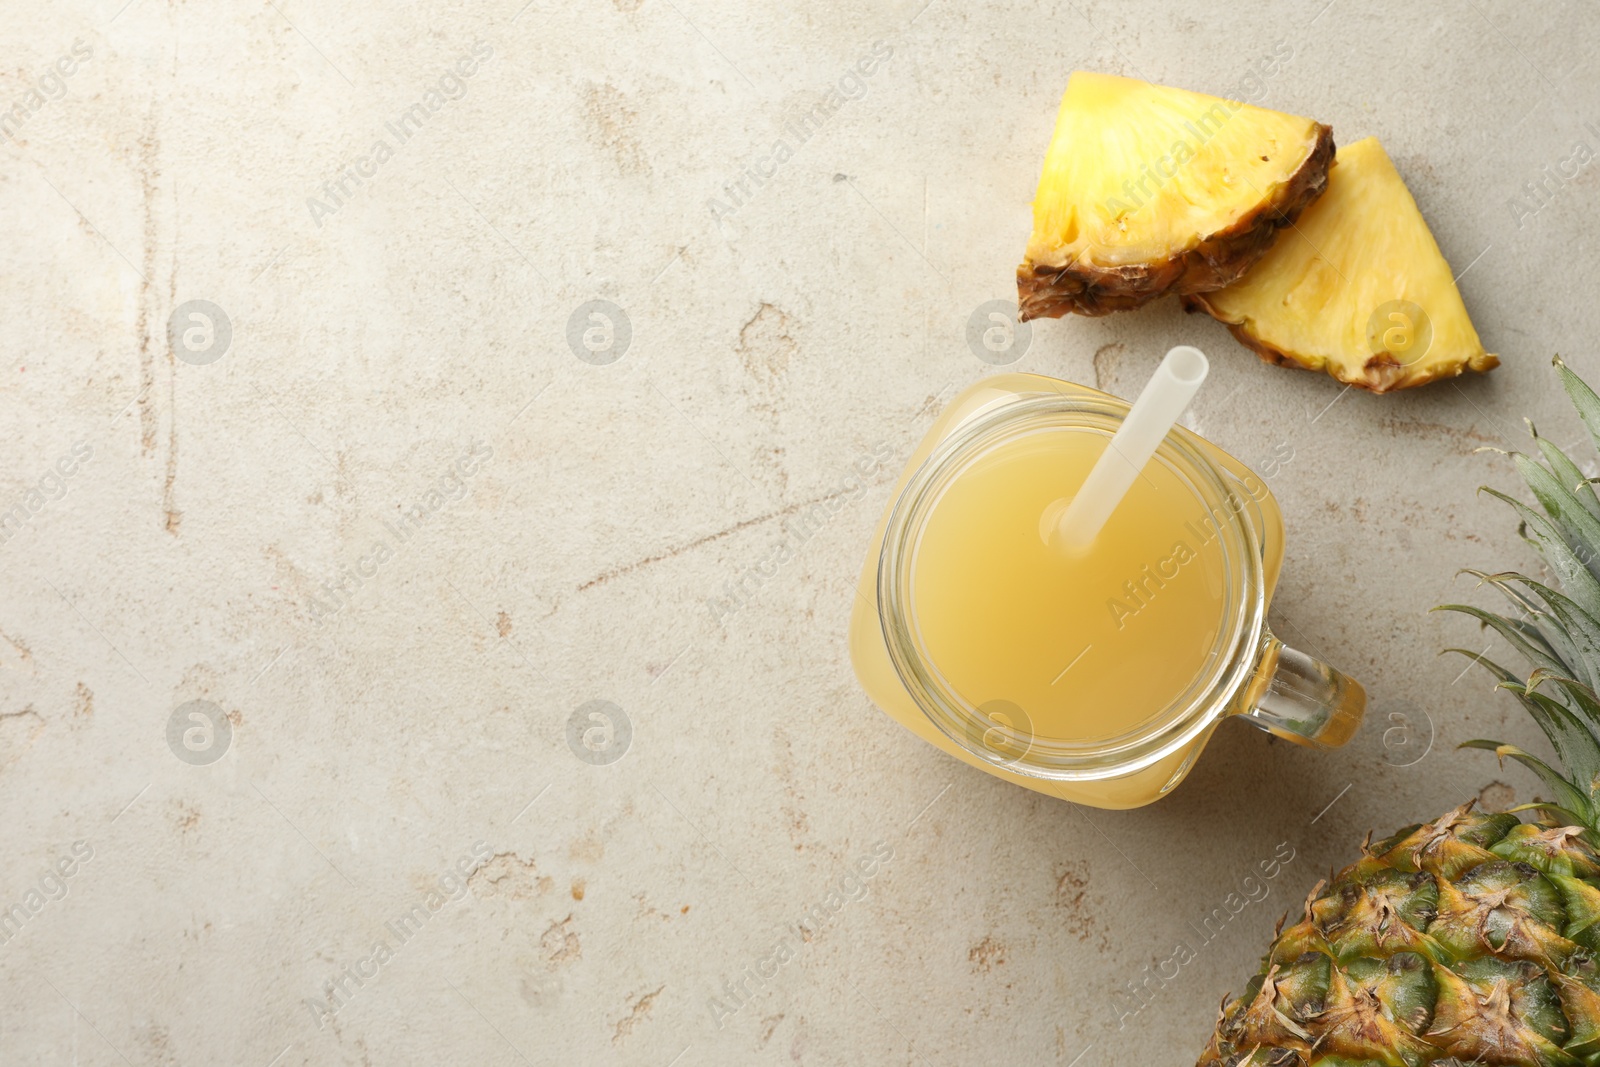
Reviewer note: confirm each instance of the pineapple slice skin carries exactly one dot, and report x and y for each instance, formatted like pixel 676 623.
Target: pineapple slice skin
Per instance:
pixel 1381 373
pixel 1050 288
pixel 1247 308
pixel 1218 260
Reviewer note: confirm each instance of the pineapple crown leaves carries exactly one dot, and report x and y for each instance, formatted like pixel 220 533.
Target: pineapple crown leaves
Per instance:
pixel 1556 632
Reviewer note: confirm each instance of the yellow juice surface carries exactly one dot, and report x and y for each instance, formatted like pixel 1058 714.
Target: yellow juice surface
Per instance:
pixel 1089 646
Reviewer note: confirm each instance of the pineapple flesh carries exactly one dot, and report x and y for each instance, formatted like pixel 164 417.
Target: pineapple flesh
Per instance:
pixel 1149 190
pixel 1357 288
pixel 1475 938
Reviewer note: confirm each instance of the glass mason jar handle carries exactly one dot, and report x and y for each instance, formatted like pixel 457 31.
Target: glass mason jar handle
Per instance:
pixel 1301 699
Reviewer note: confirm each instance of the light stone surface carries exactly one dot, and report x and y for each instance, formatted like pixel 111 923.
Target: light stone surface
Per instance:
pixel 425 314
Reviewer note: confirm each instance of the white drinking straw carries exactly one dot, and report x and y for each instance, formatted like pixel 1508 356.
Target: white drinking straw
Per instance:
pixel 1156 411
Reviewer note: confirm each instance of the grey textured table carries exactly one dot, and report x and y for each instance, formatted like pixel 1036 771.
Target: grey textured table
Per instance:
pixel 290 658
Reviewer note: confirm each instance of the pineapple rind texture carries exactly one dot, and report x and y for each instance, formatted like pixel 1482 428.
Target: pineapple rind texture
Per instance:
pixel 1357 289
pixel 1474 938
pixel 1422 951
pixel 1148 190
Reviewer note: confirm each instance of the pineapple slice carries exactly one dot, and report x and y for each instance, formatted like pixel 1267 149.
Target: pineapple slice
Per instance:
pixel 1358 288
pixel 1149 190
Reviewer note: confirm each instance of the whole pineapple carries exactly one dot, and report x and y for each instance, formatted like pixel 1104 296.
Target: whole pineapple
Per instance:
pixel 1473 939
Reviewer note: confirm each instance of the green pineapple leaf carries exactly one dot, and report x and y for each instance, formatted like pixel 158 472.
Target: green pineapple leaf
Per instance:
pixel 1567 795
pixel 1579 658
pixel 1576 742
pixel 1579 529
pixel 1579 584
pixel 1583 398
pixel 1524 638
pixel 1569 475
pixel 1577 628
pixel 1555 812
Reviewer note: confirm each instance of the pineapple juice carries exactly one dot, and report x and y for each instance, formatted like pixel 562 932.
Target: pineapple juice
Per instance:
pixel 1079 646
pixel 1006 614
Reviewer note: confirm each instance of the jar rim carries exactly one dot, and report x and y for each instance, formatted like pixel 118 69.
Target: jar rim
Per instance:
pixel 1017 749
